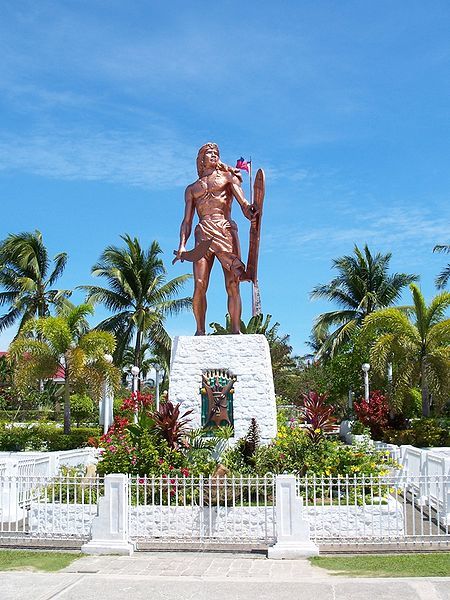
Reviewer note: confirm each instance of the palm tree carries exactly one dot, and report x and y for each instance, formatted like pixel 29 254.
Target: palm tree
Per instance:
pixel 417 338
pixel 26 277
pixel 444 275
pixel 256 324
pixel 363 285
pixel 139 296
pixel 148 360
pixel 64 342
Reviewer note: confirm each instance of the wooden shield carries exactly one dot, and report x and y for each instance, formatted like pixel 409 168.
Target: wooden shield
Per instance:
pixel 259 189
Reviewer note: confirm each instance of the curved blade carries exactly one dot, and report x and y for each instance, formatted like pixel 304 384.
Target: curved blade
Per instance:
pixel 196 254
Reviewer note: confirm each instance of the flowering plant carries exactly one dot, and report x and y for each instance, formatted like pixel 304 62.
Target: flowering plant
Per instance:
pixel 373 413
pixel 143 441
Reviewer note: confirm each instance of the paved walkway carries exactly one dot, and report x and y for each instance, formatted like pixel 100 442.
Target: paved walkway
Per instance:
pixel 198 576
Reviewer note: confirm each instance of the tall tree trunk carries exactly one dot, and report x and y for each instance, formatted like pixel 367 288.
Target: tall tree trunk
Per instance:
pixel 425 391
pixel 66 400
pixel 137 355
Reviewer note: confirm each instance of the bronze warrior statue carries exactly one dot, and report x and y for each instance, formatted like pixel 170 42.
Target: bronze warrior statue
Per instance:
pixel 216 235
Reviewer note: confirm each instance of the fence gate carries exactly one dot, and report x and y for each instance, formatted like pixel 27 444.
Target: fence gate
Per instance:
pixel 369 511
pixel 225 510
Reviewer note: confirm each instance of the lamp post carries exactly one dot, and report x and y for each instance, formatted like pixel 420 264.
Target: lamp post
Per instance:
pixel 134 388
pixel 365 367
pixel 157 370
pixel 107 403
pixel 351 397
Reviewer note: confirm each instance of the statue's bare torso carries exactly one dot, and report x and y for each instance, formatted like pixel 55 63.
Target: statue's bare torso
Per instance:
pixel 212 195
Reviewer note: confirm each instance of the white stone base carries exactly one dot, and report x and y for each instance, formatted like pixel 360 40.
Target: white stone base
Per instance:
pixel 247 357
pixel 292 550
pixel 107 547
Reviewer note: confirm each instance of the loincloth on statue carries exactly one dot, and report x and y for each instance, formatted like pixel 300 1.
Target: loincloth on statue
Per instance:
pixel 225 242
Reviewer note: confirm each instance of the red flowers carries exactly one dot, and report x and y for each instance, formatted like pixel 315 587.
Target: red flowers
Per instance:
pixel 137 401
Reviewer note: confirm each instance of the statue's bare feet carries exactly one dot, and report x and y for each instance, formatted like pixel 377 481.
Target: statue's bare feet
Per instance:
pixel 200 332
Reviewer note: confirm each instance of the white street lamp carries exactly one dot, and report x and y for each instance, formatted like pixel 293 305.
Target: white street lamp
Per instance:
pixel 135 374
pixel 108 401
pixel 365 367
pixel 157 369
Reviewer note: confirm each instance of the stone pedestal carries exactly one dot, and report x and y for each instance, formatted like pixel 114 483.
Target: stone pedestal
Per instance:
pixel 109 532
pixel 247 357
pixel 293 531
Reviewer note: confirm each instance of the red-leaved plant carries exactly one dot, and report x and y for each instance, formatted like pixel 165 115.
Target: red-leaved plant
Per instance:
pixel 318 415
pixel 170 424
pixel 373 413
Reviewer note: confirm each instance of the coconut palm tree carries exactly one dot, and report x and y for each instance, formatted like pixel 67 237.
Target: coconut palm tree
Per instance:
pixel 444 276
pixel 363 285
pixel 64 343
pixel 417 340
pixel 139 295
pixel 28 277
pixel 148 360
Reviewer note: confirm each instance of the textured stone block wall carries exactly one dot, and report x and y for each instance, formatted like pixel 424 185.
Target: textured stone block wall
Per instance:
pixel 247 357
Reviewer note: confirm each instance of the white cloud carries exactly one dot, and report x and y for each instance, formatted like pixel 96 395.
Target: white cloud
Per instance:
pixel 154 161
pixel 402 228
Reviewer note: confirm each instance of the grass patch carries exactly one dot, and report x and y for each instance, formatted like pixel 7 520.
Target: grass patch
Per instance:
pixel 26 560
pixel 436 564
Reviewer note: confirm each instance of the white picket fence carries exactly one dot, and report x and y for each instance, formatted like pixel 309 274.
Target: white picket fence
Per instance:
pixel 410 505
pixel 205 509
pixel 46 464
pixel 367 510
pixel 40 507
pixel 360 510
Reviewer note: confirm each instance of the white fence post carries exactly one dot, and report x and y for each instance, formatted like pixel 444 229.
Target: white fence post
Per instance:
pixel 293 535
pixel 109 532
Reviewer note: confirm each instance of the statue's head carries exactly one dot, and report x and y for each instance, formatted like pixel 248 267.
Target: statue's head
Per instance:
pixel 208 156
pixel 210 147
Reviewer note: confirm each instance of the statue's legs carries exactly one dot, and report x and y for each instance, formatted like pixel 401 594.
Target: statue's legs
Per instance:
pixel 202 271
pixel 234 299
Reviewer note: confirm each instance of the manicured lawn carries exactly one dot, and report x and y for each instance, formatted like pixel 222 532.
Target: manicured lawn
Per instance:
pixel 387 565
pixel 25 560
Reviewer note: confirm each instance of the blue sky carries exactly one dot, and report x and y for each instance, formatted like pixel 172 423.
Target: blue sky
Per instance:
pixel 104 105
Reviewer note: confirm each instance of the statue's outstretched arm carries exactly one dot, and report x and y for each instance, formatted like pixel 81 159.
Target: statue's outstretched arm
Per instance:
pixel 186 225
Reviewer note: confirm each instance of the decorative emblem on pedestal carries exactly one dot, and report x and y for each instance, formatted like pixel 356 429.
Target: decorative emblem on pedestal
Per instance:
pixel 217 398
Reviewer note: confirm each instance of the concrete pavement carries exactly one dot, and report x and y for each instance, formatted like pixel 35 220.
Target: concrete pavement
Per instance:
pixel 193 575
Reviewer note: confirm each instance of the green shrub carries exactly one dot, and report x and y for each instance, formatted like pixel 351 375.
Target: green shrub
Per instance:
pixel 43 437
pixel 359 428
pixel 428 432
pixel 423 433
pixel 77 438
pixel 293 452
pixel 82 408
pixel 412 403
